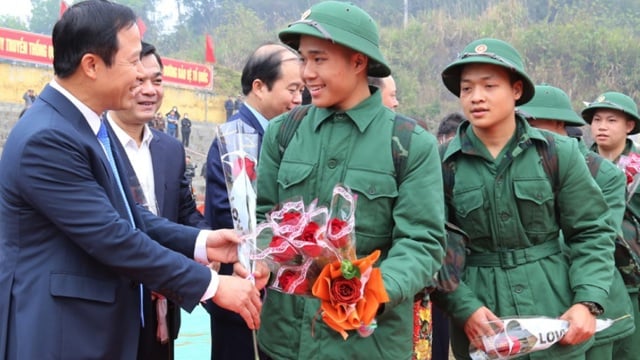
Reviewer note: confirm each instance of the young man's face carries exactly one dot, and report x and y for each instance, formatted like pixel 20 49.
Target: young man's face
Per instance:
pixel 487 96
pixel 118 84
pixel 609 128
pixel 286 92
pixel 330 72
pixel 149 98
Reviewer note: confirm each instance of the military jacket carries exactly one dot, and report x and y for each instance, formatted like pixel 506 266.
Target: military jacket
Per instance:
pixel 514 213
pixel 612 183
pixel 354 148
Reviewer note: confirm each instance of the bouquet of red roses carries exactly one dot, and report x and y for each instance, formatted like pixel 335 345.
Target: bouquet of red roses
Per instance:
pixel 311 251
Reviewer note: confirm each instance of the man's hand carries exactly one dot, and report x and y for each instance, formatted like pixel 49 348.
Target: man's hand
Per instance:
pixel 478 325
pixel 240 296
pixel 222 246
pixel 261 276
pixel 582 325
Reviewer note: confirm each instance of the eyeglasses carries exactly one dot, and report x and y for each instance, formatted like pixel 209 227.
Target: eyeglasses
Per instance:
pixel 489 55
pixel 317 26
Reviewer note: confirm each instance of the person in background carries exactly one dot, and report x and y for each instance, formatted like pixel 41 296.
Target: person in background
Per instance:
pixel 388 90
pixel 155 169
pixel 613 116
pixel 550 109
pixel 185 128
pixel 526 217
pixel 29 98
pixel 347 123
pixel 272 85
pixel 87 246
pixel 173 116
pixel 448 127
pixel 228 106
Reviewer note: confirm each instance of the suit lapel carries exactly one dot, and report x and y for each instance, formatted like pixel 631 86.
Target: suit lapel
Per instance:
pixel 157 149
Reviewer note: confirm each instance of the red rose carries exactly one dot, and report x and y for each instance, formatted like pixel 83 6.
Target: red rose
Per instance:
pixel 506 345
pixel 335 227
pixel 346 291
pixel 247 164
pixel 311 247
pixel 290 218
pixel 287 254
pixel 288 278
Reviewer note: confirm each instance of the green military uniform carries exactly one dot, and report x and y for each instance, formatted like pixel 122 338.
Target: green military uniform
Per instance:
pixel 331 148
pixel 551 103
pixel 354 147
pixel 629 347
pixel 520 218
pixel 508 204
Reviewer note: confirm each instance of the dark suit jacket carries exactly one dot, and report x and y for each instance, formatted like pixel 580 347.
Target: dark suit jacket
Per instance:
pixel 70 261
pixel 172 190
pixel 231 338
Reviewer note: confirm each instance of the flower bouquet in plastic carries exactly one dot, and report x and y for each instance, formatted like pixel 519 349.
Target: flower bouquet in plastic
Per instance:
pixel 238 146
pixel 630 164
pixel 311 252
pixel 519 336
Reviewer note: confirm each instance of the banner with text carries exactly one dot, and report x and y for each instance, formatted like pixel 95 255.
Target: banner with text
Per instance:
pixel 35 48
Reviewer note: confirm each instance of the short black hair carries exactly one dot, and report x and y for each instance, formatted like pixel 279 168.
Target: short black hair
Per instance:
pixel 449 124
pixel 263 66
pixel 90 26
pixel 148 49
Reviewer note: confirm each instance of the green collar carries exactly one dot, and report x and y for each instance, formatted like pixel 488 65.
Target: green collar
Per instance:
pixel 362 114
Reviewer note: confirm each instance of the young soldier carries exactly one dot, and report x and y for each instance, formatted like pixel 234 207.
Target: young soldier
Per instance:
pixel 550 109
pixel 345 125
pixel 613 116
pixel 512 189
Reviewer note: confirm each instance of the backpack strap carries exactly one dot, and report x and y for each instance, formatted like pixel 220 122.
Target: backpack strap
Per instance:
pixel 549 155
pixel 290 125
pixel 400 142
pixel 593 162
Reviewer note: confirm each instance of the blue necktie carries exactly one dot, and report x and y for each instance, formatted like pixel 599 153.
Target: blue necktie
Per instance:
pixel 103 137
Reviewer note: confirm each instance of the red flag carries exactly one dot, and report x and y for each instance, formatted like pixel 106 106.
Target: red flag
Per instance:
pixel 141 26
pixel 63 7
pixel 209 54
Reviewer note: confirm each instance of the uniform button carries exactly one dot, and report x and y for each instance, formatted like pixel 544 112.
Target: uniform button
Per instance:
pixel 332 163
pixel 539 196
pixel 518 289
pixel 372 190
pixel 504 216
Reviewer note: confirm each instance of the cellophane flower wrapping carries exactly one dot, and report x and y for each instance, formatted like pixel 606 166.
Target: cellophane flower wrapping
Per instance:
pixel 311 250
pixel 630 164
pixel 517 336
pixel 238 146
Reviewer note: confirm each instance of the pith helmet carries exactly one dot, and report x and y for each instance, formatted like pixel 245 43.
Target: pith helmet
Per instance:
pixel 616 101
pixel 551 103
pixel 488 51
pixel 341 23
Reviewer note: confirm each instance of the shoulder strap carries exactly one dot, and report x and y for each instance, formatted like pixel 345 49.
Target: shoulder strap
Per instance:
pixel 290 125
pixel 448 170
pixel 400 142
pixel 593 162
pixel 549 155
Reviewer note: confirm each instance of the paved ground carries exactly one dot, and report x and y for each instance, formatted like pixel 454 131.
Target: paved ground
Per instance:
pixel 194 341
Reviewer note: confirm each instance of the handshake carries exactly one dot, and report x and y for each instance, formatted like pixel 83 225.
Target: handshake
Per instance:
pixel 236 292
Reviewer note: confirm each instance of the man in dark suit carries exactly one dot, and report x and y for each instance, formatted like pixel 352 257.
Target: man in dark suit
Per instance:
pixel 155 164
pixel 272 85
pixel 73 245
